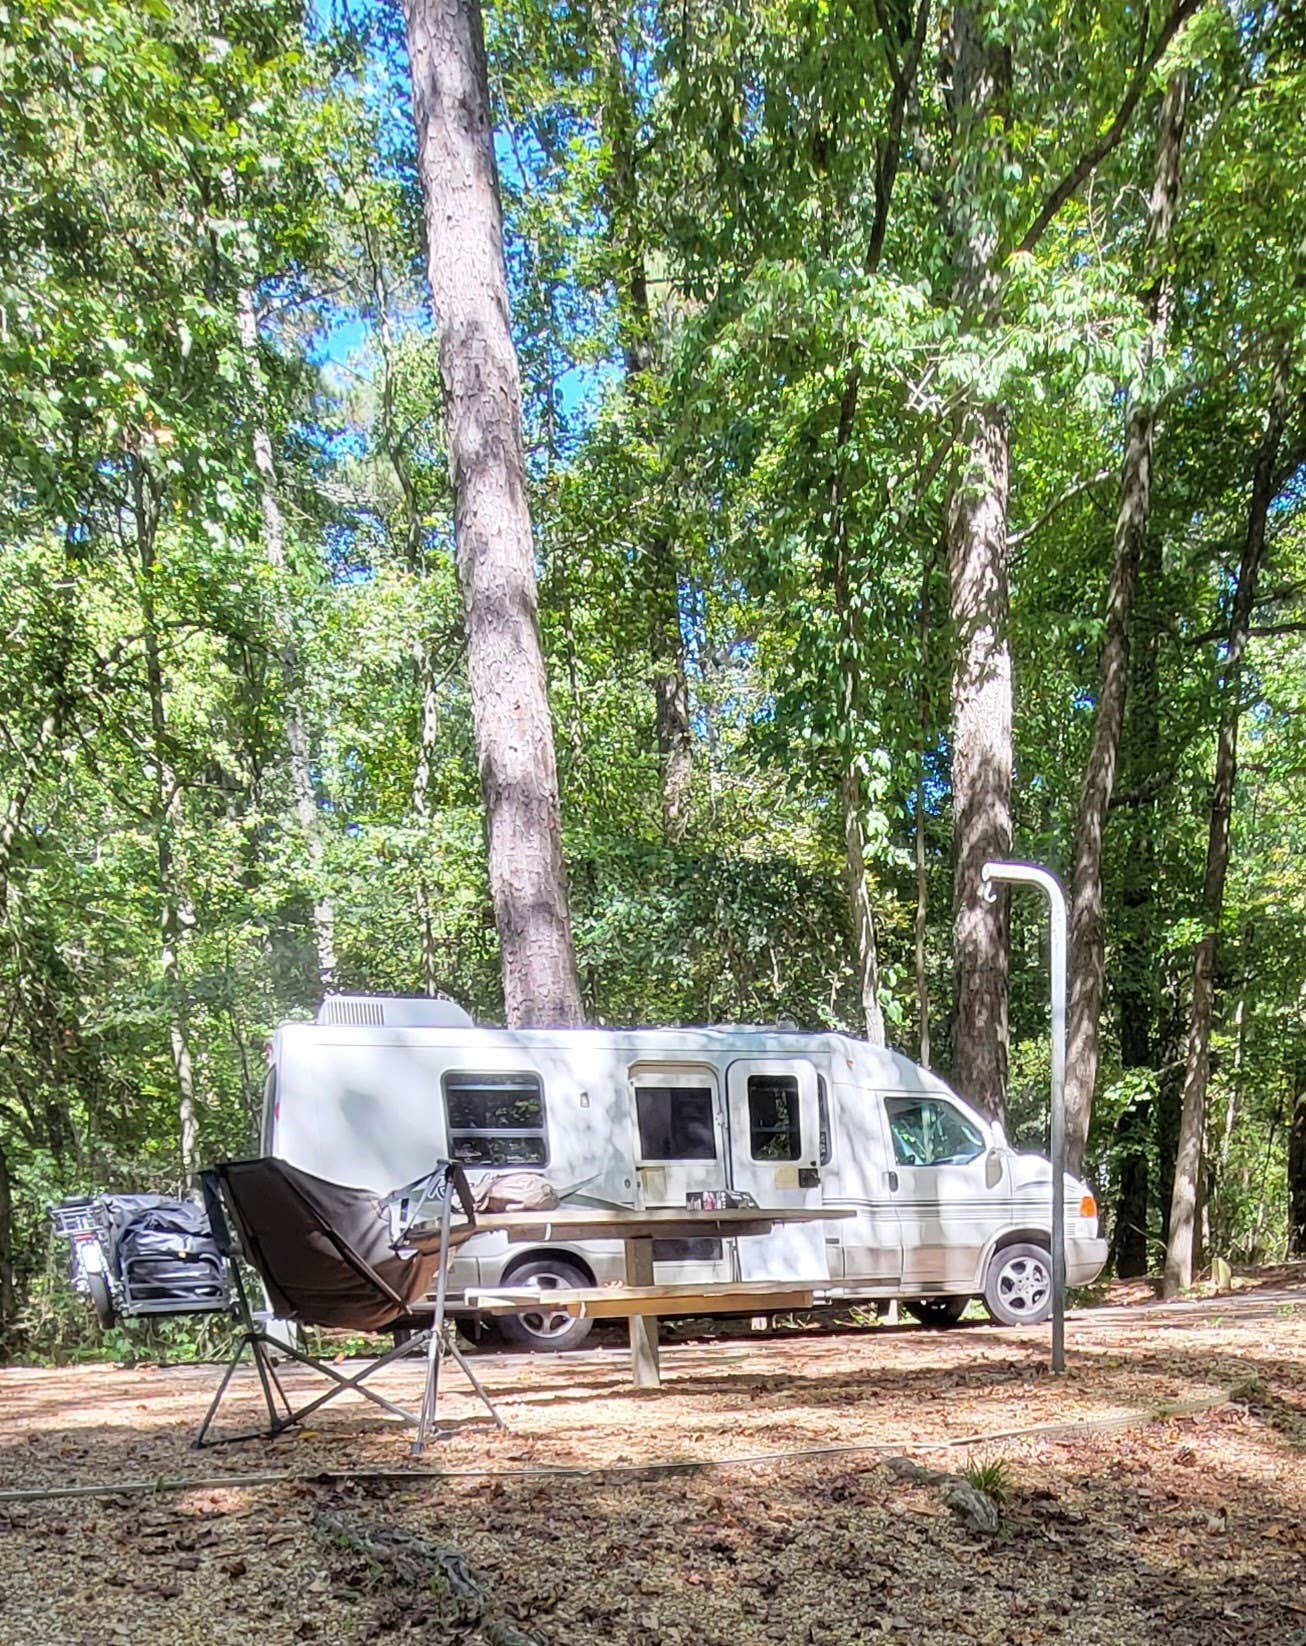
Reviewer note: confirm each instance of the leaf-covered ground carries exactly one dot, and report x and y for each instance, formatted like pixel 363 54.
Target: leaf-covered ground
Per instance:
pixel 1152 1508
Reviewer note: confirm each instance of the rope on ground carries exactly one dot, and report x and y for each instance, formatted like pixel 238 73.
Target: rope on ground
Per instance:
pixel 1137 1418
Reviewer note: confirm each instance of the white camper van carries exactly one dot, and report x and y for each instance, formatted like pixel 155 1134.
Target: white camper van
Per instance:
pixel 943 1210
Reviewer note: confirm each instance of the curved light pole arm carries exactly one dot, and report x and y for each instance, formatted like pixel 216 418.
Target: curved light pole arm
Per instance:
pixel 1029 874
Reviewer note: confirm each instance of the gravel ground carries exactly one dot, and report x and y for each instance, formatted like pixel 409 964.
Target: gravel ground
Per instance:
pixel 1187 1526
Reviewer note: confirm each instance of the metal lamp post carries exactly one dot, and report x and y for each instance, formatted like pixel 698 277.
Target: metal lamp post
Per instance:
pixel 1029 874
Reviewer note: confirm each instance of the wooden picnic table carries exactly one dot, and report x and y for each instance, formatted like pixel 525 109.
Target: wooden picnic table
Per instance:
pixel 639 1300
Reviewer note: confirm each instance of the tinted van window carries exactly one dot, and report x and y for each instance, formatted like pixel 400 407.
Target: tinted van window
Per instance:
pixel 496 1119
pixel 675 1123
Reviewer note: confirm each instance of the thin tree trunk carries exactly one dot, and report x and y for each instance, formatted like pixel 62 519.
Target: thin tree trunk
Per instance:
pixel 422 777
pixel 671 692
pixel 639 348
pixel 1183 1205
pixel 977 565
pixel 426 660
pixel 298 758
pixel 1136 984
pixel 1297 1164
pixel 492 526
pixel 1087 927
pixel 8 1288
pixel 174 914
pixel 910 40
pixel 859 899
pixel 918 825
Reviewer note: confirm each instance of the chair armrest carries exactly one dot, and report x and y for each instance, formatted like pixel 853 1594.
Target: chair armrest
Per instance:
pixel 404 1204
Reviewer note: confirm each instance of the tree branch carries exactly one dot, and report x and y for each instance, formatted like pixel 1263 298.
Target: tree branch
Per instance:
pixel 1088 162
pixel 1083 486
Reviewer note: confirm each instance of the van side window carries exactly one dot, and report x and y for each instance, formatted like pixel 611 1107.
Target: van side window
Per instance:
pixel 927 1131
pixel 773 1118
pixel 495 1119
pixel 675 1122
pixel 823 1113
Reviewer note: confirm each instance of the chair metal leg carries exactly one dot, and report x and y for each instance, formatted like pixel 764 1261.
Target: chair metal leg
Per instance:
pixel 356 1383
pixel 267 1377
pixel 476 1384
pixel 222 1389
pixel 436 1350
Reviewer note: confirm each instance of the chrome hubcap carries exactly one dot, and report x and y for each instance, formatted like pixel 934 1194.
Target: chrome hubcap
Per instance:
pixel 1024 1285
pixel 546 1322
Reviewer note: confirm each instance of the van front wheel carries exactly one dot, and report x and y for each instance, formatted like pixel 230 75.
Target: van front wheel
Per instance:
pixel 1018 1289
pixel 547 1331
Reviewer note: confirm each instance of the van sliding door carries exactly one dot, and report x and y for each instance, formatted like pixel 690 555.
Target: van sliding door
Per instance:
pixel 680 1151
pixel 775 1144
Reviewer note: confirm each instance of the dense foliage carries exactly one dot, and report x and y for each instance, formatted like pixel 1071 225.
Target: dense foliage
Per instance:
pixel 237 763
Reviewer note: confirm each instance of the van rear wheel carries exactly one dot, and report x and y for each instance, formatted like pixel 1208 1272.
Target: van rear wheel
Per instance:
pixel 545 1330
pixel 1018 1288
pixel 936 1311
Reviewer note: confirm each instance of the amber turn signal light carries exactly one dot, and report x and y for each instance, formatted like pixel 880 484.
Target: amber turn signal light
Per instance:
pixel 1088 1206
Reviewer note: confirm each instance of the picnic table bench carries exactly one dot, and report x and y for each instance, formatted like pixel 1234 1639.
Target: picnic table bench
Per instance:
pixel 639 1300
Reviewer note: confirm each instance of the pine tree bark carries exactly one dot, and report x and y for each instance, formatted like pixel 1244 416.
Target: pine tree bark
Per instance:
pixel 492 527
pixel 976 526
pixel 1087 927
pixel 1197 1064
pixel 298 756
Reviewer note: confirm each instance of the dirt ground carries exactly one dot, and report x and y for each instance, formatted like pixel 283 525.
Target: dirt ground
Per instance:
pixel 1161 1496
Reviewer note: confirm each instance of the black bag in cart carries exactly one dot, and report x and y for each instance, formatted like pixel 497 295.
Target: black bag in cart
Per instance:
pixel 164 1255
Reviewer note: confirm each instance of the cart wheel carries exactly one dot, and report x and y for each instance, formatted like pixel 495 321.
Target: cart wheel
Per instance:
pixel 102 1299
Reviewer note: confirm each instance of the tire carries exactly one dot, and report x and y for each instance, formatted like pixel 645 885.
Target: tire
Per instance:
pixel 543 1331
pixel 1018 1286
pixel 939 1312
pixel 101 1295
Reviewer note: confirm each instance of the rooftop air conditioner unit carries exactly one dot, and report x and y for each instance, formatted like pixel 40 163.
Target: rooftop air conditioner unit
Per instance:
pixel 393 1012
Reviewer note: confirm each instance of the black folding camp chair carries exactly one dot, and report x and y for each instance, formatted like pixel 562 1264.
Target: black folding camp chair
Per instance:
pixel 329 1255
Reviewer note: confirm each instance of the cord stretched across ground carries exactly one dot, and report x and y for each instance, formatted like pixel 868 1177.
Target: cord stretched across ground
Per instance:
pixel 671 1466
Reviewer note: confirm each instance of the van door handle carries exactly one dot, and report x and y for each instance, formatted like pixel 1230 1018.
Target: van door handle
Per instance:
pixel 893 1181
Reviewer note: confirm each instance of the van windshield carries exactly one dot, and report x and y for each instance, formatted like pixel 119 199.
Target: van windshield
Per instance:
pixel 927 1131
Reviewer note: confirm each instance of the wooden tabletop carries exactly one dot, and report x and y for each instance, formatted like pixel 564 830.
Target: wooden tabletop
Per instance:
pixel 621 1223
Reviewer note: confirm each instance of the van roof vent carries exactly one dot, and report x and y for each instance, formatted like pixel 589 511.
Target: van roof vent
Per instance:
pixel 393 1011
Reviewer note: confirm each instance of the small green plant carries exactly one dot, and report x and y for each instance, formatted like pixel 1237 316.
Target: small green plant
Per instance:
pixel 992 1476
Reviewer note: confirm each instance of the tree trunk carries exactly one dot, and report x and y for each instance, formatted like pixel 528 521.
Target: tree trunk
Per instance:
pixel 851 793
pixel 670 689
pixel 1087 932
pixel 1297 1165
pixel 1192 1118
pixel 8 1286
pixel 859 901
pixel 492 526
pixel 639 350
pixel 422 776
pixel 174 914
pixel 918 824
pixel 977 565
pixel 299 765
pixel 1135 981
